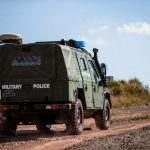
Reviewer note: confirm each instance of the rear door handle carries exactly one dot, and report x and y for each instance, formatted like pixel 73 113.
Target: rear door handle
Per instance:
pixel 94 88
pixel 85 87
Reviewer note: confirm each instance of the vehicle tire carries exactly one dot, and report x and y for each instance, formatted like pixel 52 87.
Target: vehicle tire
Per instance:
pixel 75 118
pixel 43 128
pixel 102 119
pixel 8 127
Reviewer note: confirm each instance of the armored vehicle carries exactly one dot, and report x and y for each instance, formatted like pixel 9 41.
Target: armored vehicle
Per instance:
pixel 45 83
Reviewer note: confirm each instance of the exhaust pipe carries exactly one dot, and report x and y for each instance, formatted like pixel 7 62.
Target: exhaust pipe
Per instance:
pixel 103 78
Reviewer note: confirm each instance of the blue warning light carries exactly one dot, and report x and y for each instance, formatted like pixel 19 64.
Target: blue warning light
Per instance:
pixel 79 44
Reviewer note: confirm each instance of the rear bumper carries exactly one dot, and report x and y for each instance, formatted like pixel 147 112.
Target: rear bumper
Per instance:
pixel 30 113
pixel 27 107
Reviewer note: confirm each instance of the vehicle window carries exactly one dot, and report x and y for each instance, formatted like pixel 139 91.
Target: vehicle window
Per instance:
pixel 26 61
pixel 93 71
pixel 82 64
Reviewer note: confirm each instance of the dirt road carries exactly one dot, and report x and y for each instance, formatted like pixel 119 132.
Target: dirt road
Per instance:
pixel 130 129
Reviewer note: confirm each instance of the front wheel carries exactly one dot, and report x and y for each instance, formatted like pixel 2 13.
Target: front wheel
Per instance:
pixel 102 119
pixel 75 119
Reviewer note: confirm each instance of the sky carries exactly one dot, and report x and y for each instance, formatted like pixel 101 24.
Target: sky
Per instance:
pixel 120 29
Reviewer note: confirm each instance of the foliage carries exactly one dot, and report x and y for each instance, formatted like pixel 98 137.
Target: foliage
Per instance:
pixel 116 91
pixel 128 93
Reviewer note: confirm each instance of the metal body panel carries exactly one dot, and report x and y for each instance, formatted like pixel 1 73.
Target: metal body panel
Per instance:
pixel 38 69
pixel 97 90
pixel 47 73
pixel 87 82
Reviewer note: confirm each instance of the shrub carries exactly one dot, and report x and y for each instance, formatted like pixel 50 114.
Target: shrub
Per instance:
pixel 116 91
pixel 128 93
pixel 123 82
pixel 113 84
pixel 135 81
pixel 134 89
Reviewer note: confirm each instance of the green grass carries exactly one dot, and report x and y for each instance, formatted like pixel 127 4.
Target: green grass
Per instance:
pixel 128 93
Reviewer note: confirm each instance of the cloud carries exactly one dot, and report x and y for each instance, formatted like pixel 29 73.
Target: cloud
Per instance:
pixel 94 41
pixel 93 36
pixel 99 41
pixel 135 28
pixel 98 29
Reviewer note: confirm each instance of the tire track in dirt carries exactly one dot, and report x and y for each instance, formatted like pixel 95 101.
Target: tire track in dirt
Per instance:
pixel 64 143
pixel 67 141
pixel 27 137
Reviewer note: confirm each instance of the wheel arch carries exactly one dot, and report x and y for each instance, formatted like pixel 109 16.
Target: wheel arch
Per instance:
pixel 81 96
pixel 108 97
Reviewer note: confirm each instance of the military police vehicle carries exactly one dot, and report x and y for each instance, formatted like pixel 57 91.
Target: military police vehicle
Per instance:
pixel 47 83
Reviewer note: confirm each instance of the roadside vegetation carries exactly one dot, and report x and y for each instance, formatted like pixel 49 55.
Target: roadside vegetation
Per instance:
pixel 128 93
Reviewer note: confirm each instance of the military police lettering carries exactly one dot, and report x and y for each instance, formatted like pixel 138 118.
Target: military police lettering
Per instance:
pixel 12 86
pixel 41 86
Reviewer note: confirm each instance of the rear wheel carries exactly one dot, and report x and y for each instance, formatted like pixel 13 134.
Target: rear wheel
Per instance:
pixel 102 119
pixel 8 127
pixel 75 119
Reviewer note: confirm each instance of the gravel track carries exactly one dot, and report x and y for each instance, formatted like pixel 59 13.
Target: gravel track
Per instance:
pixel 129 140
pixel 130 129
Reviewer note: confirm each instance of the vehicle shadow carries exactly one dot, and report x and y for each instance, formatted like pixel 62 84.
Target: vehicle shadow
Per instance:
pixel 24 136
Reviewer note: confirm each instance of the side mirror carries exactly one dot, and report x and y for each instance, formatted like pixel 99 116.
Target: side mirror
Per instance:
pixel 109 78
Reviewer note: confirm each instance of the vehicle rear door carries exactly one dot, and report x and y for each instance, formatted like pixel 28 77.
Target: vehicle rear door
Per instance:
pixel 27 72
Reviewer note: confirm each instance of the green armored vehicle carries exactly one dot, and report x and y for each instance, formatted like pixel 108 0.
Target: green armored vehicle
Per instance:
pixel 47 83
